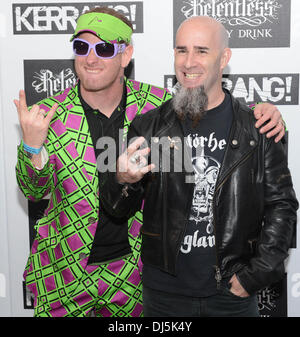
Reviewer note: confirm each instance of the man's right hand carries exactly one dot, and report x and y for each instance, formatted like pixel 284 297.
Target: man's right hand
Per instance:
pixel 132 164
pixel 34 123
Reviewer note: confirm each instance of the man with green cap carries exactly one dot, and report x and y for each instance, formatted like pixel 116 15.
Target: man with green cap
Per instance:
pixel 83 260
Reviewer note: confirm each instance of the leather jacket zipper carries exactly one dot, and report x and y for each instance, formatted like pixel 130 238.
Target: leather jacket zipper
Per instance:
pixel 189 205
pixel 164 183
pixel 164 233
pixel 218 275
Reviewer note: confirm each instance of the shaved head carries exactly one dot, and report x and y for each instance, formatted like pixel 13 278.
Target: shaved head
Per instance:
pixel 213 25
pixel 201 54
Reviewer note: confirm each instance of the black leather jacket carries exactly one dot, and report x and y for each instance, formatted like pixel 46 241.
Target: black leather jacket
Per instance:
pixel 254 204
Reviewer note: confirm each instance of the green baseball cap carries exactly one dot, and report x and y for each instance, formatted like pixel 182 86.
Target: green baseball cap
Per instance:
pixel 107 27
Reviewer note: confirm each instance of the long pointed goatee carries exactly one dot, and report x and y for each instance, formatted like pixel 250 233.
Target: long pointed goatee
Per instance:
pixel 191 102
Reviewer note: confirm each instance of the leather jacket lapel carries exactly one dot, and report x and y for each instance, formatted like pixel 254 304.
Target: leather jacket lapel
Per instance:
pixel 239 148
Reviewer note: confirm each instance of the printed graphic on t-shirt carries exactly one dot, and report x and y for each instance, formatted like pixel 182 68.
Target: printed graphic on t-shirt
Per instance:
pixel 200 232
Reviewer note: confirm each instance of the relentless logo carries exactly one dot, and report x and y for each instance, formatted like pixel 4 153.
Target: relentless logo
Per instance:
pixel 249 23
pixel 50 83
pixel 272 301
pixel 44 78
pixel 60 18
pixel 279 89
pixel 267 300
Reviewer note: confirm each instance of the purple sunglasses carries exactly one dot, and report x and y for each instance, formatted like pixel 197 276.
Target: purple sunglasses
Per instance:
pixel 103 50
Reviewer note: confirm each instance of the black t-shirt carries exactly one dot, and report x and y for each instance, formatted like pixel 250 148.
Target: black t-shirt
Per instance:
pixel 196 261
pixel 111 238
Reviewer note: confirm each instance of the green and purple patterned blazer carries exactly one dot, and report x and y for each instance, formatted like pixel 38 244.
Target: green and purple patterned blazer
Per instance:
pixel 65 233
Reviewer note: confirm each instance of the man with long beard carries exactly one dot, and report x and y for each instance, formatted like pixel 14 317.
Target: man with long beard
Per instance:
pixel 191 102
pixel 218 230
pixel 83 261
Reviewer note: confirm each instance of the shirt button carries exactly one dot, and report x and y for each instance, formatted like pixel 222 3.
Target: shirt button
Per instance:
pixel 234 142
pixel 92 220
pixel 252 142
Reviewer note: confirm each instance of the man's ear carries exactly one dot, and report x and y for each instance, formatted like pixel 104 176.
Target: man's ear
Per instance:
pixel 127 55
pixel 225 57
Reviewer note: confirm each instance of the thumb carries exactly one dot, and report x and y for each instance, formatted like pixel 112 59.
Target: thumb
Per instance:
pixel 51 113
pixel 16 103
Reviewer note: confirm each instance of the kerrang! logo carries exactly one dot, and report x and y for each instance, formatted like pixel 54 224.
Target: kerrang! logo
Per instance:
pixel 239 12
pixel 50 83
pixel 60 18
pixel 280 89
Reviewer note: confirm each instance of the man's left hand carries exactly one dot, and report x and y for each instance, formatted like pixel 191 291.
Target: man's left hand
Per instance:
pixel 236 287
pixel 268 112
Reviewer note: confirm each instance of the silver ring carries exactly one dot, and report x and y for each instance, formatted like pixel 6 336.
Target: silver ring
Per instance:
pixel 135 159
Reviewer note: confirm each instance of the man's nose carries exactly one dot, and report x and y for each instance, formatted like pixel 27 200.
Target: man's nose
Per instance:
pixel 190 60
pixel 92 57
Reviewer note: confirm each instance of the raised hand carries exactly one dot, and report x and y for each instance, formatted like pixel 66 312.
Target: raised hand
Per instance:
pixel 34 123
pixel 132 164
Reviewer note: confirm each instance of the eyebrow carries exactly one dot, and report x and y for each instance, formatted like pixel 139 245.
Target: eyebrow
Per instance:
pixel 195 47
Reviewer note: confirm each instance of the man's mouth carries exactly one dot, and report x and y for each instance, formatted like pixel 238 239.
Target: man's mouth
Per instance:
pixel 92 71
pixel 191 76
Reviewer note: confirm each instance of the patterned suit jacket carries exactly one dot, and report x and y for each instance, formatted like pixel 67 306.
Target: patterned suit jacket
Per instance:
pixel 64 235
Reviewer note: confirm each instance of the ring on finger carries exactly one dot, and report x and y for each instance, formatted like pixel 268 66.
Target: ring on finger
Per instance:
pixel 135 159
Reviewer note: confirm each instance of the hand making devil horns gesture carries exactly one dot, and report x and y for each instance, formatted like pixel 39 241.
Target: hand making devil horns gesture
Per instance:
pixel 34 123
pixel 132 164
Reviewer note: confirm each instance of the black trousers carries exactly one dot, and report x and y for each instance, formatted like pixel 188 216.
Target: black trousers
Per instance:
pixel 223 304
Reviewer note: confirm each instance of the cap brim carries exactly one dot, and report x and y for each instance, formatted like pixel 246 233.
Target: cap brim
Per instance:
pixel 102 36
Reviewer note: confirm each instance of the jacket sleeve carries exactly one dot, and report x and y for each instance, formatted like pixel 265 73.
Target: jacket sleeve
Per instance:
pixel 35 184
pixel 280 217
pixel 121 200
pixel 283 139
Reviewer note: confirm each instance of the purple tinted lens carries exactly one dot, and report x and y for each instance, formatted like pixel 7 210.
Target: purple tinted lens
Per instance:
pixel 80 47
pixel 105 49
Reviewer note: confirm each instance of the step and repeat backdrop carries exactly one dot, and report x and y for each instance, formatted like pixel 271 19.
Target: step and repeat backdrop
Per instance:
pixel 36 55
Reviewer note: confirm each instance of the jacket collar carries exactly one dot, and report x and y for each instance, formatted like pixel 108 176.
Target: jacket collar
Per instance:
pixel 242 134
pixel 242 142
pixel 71 117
